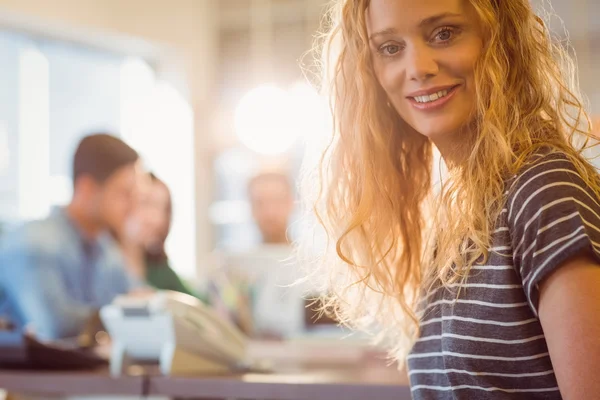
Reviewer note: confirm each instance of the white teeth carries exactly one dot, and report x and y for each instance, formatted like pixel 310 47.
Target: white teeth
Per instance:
pixel 431 97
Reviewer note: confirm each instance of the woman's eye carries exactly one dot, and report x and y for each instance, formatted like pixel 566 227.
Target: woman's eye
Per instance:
pixel 389 49
pixel 444 35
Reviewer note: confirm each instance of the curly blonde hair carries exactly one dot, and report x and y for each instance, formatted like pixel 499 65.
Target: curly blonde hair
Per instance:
pixel 391 237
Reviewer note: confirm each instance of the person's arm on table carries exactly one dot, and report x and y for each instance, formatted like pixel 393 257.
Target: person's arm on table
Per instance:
pixel 36 288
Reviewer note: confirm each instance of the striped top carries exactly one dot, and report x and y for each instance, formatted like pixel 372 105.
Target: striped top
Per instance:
pixel 488 343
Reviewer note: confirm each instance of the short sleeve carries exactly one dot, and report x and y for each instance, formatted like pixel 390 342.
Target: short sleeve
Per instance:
pixel 553 215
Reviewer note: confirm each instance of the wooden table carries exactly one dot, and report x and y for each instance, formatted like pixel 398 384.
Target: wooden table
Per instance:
pixel 73 383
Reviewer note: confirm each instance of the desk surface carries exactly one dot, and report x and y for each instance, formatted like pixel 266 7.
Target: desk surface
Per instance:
pixel 301 372
pixel 322 384
pixel 70 383
pixel 336 374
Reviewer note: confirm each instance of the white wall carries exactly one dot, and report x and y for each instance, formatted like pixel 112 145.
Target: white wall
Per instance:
pixel 581 19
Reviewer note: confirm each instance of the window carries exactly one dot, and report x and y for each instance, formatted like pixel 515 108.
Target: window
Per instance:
pixel 54 93
pixel 158 122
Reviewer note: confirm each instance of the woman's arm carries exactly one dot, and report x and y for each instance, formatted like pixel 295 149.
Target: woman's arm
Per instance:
pixel 569 310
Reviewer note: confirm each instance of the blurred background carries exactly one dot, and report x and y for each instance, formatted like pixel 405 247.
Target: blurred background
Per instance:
pixel 210 92
pixel 186 83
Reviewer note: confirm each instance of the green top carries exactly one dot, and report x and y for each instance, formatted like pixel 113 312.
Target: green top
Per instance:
pixel 162 277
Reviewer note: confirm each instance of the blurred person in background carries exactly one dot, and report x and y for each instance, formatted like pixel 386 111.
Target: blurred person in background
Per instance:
pixel 56 273
pixel 272 202
pixel 258 284
pixel 144 236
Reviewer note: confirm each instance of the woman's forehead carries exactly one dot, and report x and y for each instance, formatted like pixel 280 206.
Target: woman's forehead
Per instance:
pixel 383 15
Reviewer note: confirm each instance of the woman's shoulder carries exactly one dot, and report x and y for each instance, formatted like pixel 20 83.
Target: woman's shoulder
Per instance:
pixel 544 167
pixel 550 175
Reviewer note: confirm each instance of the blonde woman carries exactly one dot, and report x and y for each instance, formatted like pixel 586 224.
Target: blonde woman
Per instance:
pixel 490 287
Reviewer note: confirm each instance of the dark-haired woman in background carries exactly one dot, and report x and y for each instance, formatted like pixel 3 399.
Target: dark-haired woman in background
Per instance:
pixel 145 236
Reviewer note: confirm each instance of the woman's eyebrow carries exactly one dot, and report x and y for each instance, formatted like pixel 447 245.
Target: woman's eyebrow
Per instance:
pixel 425 22
pixel 385 32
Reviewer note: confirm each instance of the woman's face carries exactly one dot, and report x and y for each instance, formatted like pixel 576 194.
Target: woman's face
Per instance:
pixel 424 54
pixel 150 223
